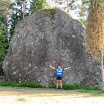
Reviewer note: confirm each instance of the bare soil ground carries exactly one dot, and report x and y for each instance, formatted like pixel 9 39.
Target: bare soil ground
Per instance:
pixel 18 95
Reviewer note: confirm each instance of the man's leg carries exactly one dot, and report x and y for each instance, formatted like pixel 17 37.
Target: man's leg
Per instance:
pixel 57 81
pixel 61 83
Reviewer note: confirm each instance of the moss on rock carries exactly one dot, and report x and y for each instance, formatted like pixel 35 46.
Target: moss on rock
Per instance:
pixel 48 12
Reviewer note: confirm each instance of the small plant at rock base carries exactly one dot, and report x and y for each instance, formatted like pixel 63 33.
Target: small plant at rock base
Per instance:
pixel 25 84
pixel 69 87
pixel 90 88
pixel 73 87
pixel 52 86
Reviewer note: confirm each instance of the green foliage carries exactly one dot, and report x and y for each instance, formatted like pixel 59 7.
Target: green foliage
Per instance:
pixel 3 48
pixel 37 85
pixel 25 84
pixel 29 84
pixel 83 6
pixel 3 34
pixel 7 84
pixel 4 5
pixel 17 16
pixel 73 87
pixel 52 86
pixel 103 89
pixel 48 12
pixel 84 22
pixel 77 86
pixel 37 4
pixel 68 87
pixel 90 88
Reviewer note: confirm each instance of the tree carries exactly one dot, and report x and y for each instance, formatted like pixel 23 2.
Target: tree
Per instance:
pixel 95 32
pixel 37 4
pixel 20 11
pixel 80 8
pixel 16 16
pixel 24 8
pixel 68 5
pixel 3 46
pixel 22 2
pixel 4 5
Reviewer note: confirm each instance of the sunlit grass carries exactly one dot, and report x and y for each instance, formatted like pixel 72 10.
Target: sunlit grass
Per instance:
pixel 21 100
pixel 95 93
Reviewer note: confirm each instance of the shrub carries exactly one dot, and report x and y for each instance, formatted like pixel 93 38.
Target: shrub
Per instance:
pixel 37 85
pixel 90 88
pixel 69 87
pixel 30 84
pixel 77 86
pixel 73 87
pixel 52 86
pixel 25 84
pixel 7 84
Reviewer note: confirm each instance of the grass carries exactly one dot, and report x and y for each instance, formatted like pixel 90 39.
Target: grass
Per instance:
pixel 80 88
pixel 77 87
pixel 96 93
pixel 90 90
pixel 47 95
pixel 21 100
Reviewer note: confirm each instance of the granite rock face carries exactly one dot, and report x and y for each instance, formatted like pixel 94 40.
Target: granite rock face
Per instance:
pixel 50 36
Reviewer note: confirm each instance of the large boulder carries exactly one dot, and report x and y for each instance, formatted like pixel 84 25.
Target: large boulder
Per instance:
pixel 50 36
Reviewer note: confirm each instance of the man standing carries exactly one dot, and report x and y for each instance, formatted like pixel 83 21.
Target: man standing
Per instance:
pixel 59 75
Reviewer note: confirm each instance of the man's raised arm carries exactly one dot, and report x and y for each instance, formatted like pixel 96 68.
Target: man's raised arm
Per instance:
pixel 67 68
pixel 51 67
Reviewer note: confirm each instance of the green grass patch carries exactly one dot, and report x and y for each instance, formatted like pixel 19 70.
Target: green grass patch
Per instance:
pixel 97 93
pixel 25 84
pixel 93 91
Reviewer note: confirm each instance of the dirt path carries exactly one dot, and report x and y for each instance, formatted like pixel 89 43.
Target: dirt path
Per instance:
pixel 9 95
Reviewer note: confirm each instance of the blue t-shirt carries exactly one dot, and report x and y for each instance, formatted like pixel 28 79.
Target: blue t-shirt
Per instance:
pixel 59 72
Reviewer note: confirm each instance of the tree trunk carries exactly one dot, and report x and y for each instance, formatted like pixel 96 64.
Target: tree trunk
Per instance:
pixel 6 18
pixel 102 67
pixel 24 9
pixel 67 5
pixel 102 71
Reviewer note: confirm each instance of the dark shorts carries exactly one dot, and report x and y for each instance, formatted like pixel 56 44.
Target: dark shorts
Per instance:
pixel 59 78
